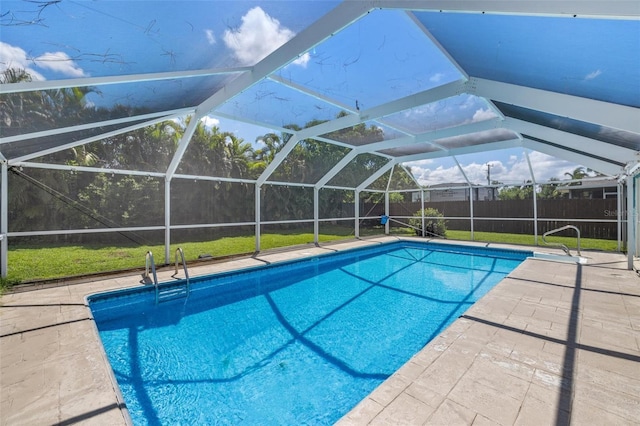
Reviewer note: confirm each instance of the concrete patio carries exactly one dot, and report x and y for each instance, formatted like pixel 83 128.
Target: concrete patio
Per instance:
pixel 553 343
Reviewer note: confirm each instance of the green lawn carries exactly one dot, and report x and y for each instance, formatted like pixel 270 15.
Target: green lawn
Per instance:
pixel 529 240
pixel 41 263
pixel 27 263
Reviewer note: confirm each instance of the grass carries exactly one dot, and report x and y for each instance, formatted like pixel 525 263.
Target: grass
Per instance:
pixel 38 263
pixel 529 240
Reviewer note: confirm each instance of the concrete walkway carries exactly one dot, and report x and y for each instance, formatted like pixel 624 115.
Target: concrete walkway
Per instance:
pixel 554 343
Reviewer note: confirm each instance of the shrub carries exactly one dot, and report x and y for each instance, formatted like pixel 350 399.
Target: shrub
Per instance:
pixel 432 226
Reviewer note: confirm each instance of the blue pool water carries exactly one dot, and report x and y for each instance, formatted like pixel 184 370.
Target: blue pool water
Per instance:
pixel 295 343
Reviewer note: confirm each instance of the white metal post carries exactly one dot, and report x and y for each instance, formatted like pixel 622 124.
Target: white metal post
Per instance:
pixel 386 211
pixel 167 220
pixel 632 222
pixel 619 194
pixel 257 215
pixel 535 199
pixel 356 206
pixel 316 215
pixel 535 215
pixel 471 210
pixel 4 218
pixel 422 210
pixel 636 213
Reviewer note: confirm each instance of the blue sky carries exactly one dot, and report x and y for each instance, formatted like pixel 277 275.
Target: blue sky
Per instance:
pixel 377 59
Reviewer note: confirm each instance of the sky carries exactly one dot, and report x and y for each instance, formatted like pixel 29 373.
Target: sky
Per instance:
pixel 506 166
pixel 75 39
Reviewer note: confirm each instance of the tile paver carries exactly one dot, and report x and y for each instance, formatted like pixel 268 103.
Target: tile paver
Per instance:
pixel 554 343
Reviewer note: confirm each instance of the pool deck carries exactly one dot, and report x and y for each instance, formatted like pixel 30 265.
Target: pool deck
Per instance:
pixel 553 343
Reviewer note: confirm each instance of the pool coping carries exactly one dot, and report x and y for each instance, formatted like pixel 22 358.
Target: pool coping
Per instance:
pixel 45 352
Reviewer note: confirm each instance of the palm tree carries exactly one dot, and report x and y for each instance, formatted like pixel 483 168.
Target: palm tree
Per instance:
pixel 21 112
pixel 264 156
pixel 578 173
pixel 238 153
pixel 82 157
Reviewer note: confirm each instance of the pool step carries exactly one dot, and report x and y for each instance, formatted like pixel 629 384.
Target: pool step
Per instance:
pixel 169 291
pixel 172 292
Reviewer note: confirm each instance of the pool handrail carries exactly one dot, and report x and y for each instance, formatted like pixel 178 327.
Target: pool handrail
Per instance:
pixel 562 246
pixel 150 263
pixel 180 252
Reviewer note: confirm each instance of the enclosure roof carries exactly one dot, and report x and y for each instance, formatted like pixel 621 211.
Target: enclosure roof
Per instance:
pixel 436 78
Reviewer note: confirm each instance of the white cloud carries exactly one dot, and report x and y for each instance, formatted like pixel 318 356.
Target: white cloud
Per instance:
pixel 436 78
pixel 428 172
pixel 546 167
pixel 211 38
pixel 511 169
pixel 303 60
pixel 59 62
pixel 467 102
pixel 593 75
pixel 258 36
pixel 483 114
pixel 420 163
pixel 210 121
pixel 15 57
pixel 477 173
pixel 516 171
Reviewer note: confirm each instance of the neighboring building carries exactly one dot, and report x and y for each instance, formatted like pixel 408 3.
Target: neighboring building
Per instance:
pixel 590 189
pixel 587 189
pixel 456 192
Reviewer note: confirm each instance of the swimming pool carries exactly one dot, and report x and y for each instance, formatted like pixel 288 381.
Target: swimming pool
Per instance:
pixel 293 343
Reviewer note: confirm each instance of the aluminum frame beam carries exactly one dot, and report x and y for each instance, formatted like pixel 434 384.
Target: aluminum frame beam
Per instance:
pixel 583 109
pixel 491 146
pixel 571 141
pixel 590 162
pixel 336 169
pixel 432 136
pixel 382 170
pixel 166 114
pixel 115 79
pixel 621 9
pixel 279 158
pixel 87 140
pixel 4 218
